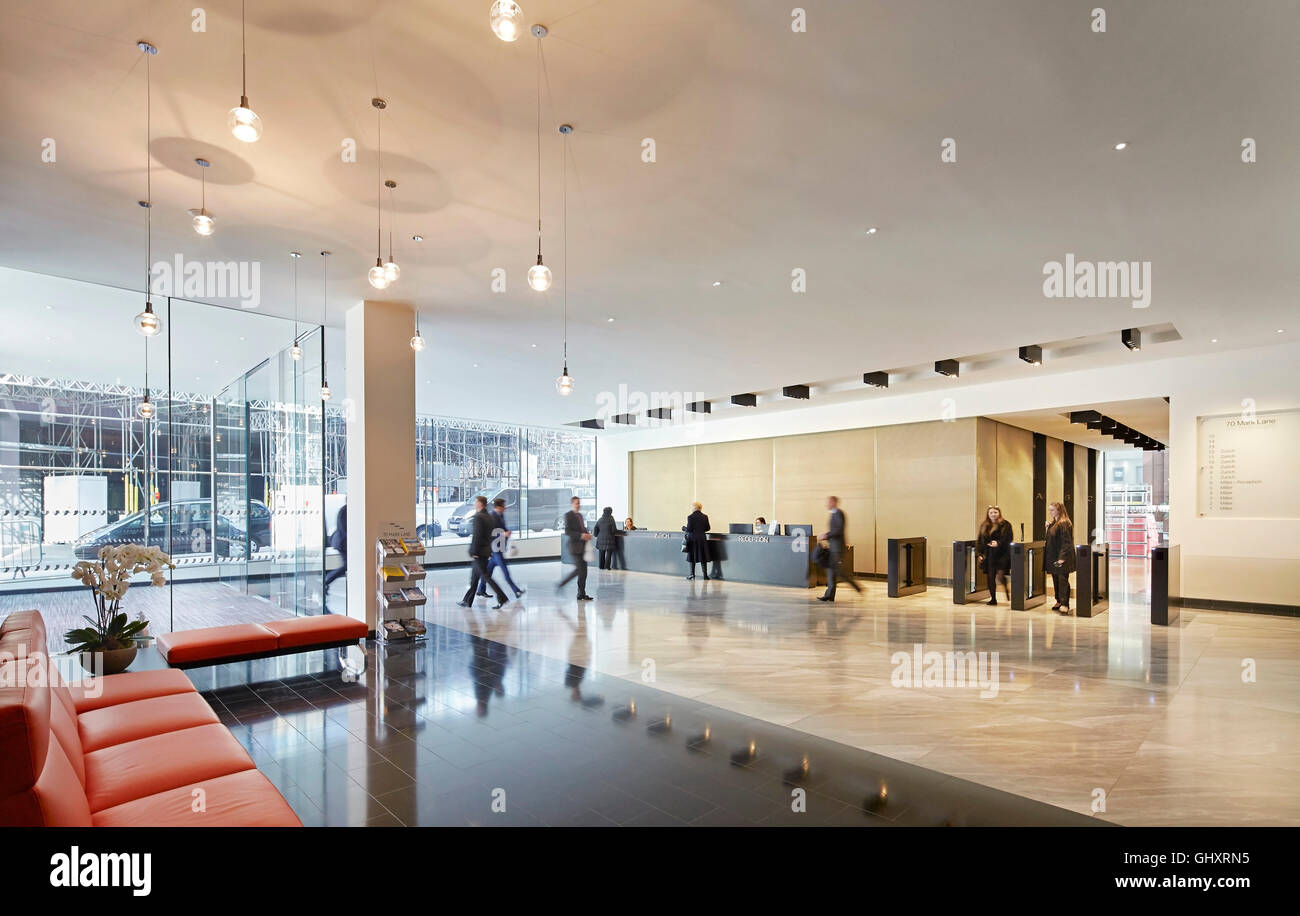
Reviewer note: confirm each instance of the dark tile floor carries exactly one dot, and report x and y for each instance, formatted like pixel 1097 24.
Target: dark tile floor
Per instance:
pixel 461 730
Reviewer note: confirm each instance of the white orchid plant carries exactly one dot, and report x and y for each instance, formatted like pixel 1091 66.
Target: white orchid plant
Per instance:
pixel 108 578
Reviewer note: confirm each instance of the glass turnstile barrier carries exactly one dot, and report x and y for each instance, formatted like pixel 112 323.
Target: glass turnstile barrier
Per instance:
pixel 907 571
pixel 1028 579
pixel 968 581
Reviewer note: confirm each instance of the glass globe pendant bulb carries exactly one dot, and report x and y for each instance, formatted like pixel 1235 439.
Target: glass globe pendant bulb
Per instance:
pixel 377 276
pixel 325 392
pixel 295 352
pixel 564 384
pixel 417 342
pixel 244 122
pixel 203 223
pixel 539 276
pixel 392 271
pixel 145 409
pixel 507 20
pixel 147 323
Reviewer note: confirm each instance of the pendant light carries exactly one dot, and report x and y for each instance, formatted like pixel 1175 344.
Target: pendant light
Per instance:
pixel 325 393
pixel 203 223
pixel 295 352
pixel 145 409
pixel 506 19
pixel 417 342
pixel 242 120
pixel 564 384
pixel 147 323
pixel 391 270
pixel 539 275
pixel 377 276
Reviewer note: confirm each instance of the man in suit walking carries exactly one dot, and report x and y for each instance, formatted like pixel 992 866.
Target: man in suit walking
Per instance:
pixel 576 537
pixel 500 542
pixel 836 531
pixel 480 549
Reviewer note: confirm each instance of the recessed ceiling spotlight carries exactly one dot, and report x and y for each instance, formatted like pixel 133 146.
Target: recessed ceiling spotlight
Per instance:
pixel 717 282
pixel 417 238
pixel 872 231
pixel 1214 340
pixel 1281 330
pixel 1123 144
pixel 534 346
pixel 1032 354
pixel 1131 338
pixel 610 320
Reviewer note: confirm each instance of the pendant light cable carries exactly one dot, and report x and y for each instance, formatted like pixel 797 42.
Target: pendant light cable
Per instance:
pixel 243 50
pixel 539 147
pixel 148 181
pixel 564 183
pixel 379 192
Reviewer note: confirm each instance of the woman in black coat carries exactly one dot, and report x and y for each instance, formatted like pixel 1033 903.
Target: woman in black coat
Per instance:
pixel 994 548
pixel 606 539
pixel 1058 554
pixel 697 540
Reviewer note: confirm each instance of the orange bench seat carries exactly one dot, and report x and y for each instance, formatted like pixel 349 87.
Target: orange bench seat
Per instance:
pixel 213 645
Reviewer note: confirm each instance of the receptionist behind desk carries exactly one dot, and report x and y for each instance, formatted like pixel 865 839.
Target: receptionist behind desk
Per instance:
pixel 760 525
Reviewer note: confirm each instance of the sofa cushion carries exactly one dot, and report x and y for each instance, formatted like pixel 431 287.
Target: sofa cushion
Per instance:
pixel 306 631
pixel 56 800
pixel 24 726
pixel 244 799
pixel 100 728
pixel 216 642
pixel 128 687
pixel 134 769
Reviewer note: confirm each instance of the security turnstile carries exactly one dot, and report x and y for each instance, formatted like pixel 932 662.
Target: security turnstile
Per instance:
pixel 1028 581
pixel 1092 580
pixel 906 558
pixel 968 582
pixel 1166 584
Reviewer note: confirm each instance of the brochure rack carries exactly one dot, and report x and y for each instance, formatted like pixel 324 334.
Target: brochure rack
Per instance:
pixel 399 575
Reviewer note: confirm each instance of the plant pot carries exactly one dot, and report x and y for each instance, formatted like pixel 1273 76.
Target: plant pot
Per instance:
pixel 112 661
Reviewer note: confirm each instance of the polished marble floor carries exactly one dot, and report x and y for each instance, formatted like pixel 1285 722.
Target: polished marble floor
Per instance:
pixel 1162 725
pixel 462 729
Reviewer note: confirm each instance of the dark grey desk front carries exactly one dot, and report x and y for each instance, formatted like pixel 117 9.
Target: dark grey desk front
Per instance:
pixel 765 559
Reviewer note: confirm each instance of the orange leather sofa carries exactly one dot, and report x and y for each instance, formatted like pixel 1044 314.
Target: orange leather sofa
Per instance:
pixel 242 641
pixel 134 750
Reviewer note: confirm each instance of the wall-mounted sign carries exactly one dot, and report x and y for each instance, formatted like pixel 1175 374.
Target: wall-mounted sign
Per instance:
pixel 1248 465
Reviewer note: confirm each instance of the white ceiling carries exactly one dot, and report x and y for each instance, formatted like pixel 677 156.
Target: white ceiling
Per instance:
pixel 1146 415
pixel 775 150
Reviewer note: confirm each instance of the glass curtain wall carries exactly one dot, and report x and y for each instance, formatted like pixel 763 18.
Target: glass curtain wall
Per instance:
pixel 534 470
pixel 228 475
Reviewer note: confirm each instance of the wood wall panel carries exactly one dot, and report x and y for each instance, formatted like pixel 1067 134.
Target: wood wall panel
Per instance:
pixel 1055 471
pixel 1016 478
pixel 1081 532
pixel 734 482
pixel 925 485
pixel 663 486
pixel 986 469
pixel 809 468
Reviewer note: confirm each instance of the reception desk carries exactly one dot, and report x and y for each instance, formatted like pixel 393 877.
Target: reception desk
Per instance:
pixel 765 559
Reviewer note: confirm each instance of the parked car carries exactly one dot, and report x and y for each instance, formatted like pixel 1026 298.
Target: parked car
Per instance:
pixel 428 531
pixel 192 530
pixel 541 505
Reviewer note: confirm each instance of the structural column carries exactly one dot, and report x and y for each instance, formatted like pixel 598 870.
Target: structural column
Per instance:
pixel 380 412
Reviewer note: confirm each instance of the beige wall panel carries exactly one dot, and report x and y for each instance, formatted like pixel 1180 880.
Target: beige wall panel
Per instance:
pixel 811 467
pixel 662 486
pixel 925 485
pixel 1081 532
pixel 1263 580
pixel 1055 489
pixel 1016 478
pixel 986 468
pixel 734 481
